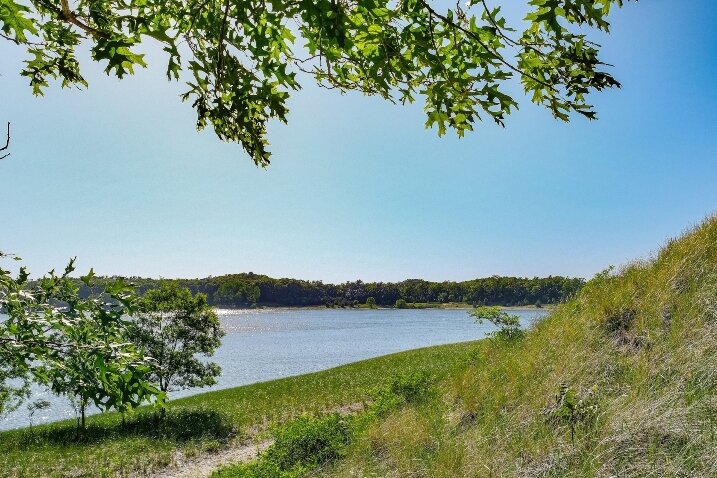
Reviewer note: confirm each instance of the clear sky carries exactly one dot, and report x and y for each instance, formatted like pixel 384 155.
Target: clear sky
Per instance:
pixel 117 175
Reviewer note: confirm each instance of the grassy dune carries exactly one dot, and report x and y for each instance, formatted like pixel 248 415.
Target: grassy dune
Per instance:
pixel 636 353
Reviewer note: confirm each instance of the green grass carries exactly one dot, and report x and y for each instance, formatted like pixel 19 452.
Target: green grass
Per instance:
pixel 207 421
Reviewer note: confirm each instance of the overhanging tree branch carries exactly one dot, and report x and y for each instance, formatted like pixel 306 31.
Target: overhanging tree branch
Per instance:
pixel 67 14
pixel 242 66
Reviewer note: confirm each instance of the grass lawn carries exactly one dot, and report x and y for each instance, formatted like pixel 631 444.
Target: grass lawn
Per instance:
pixel 207 421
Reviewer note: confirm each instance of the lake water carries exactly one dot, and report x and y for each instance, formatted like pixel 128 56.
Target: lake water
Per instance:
pixel 262 345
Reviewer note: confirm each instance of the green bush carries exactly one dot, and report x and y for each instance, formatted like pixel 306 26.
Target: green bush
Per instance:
pixel 299 446
pixel 411 386
pixel 401 304
pixel 574 410
pixel 309 441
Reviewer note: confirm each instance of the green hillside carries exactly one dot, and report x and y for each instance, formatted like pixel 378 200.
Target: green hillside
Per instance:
pixel 621 381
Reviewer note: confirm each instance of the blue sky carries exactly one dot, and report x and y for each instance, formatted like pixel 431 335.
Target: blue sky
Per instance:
pixel 117 175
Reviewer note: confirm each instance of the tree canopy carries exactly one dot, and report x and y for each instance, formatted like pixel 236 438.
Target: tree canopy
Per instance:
pixel 174 327
pixel 242 58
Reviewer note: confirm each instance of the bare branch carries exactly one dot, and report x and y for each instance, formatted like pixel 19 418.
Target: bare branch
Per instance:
pixel 7 143
pixel 2 35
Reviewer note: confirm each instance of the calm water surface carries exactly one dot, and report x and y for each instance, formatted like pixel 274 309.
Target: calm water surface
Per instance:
pixel 266 344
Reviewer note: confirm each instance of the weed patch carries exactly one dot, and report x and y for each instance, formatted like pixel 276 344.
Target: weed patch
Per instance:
pixel 299 446
pixel 402 389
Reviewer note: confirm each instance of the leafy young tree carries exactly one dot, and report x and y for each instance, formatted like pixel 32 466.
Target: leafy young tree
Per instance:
pixel 573 409
pixel 508 324
pixel 76 346
pixel 174 327
pixel 371 303
pixel 242 58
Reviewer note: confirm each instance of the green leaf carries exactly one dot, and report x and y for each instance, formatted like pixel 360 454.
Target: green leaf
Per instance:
pixel 14 22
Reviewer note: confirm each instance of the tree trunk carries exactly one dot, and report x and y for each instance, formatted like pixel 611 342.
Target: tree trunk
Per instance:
pixel 163 411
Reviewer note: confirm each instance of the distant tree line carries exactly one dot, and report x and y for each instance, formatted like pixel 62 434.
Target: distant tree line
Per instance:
pixel 250 290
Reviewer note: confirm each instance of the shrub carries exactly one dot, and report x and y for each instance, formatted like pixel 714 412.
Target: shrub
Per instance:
pixel 411 386
pixel 309 441
pixel 299 446
pixel 259 469
pixel 401 304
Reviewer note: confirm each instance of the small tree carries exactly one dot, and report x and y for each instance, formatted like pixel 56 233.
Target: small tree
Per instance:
pixel 508 325
pixel 371 303
pixel 574 410
pixel 75 345
pixel 174 327
pixel 401 304
pixel 96 363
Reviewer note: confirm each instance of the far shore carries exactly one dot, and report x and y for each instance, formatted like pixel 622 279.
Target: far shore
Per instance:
pixel 411 306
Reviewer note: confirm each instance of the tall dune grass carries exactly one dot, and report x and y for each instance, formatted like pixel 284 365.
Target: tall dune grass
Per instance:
pixel 640 343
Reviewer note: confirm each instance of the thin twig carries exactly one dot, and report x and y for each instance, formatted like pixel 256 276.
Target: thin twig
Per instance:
pixel 505 35
pixel 7 143
pixel 14 40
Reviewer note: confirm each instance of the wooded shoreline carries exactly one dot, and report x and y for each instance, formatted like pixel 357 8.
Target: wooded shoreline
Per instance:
pixel 249 290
